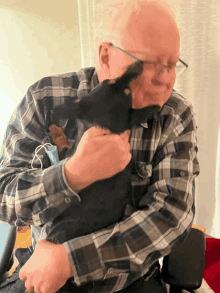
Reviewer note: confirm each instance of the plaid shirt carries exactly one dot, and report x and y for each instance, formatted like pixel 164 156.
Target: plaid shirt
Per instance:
pixel 165 152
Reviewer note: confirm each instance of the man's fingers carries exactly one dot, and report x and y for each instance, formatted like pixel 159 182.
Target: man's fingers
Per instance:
pixel 97 131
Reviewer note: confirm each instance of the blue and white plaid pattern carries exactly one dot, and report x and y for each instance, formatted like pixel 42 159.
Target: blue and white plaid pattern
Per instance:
pixel 165 151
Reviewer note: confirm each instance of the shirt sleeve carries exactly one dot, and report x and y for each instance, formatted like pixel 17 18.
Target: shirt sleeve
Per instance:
pixel 166 211
pixel 31 196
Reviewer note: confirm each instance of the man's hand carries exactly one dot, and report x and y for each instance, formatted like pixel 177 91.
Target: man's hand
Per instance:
pixel 99 155
pixel 48 268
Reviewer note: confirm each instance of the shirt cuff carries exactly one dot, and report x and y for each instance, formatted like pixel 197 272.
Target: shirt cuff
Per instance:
pixel 67 184
pixel 84 260
pixel 58 194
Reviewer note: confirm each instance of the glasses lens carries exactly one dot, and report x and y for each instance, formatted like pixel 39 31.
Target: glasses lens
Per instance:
pixel 180 68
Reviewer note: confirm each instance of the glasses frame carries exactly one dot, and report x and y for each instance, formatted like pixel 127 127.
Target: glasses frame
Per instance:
pixel 137 59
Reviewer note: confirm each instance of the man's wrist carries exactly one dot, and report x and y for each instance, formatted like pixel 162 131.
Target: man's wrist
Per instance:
pixel 73 178
pixel 69 272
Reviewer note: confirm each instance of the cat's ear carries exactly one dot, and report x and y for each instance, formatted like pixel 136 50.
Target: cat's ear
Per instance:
pixel 132 72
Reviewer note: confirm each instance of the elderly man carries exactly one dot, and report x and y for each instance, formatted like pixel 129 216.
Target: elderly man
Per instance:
pixel 123 257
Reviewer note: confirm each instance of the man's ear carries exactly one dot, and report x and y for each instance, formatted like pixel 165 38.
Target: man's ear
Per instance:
pixel 104 57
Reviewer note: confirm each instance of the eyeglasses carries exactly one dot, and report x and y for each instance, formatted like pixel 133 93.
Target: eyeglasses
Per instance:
pixel 180 66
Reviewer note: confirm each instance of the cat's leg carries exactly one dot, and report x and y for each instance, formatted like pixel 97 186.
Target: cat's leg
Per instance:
pixel 58 137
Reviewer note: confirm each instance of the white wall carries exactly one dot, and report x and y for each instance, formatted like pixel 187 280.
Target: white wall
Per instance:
pixel 37 39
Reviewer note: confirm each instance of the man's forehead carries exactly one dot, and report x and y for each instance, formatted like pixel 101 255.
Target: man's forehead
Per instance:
pixel 163 44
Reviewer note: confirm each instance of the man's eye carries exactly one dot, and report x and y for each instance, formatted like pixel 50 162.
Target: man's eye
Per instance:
pixel 150 63
pixel 171 65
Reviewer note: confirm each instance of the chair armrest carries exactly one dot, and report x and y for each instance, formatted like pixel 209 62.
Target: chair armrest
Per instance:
pixel 184 266
pixel 7 242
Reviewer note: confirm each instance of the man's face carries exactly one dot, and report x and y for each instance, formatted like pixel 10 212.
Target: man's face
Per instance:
pixel 152 35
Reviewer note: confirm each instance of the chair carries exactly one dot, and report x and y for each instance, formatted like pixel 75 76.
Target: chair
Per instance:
pixel 7 242
pixel 182 269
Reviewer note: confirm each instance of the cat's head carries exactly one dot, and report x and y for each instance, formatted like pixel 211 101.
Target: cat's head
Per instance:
pixel 109 104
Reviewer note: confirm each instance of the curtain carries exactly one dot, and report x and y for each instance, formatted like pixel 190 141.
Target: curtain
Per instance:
pixel 86 10
pixel 199 24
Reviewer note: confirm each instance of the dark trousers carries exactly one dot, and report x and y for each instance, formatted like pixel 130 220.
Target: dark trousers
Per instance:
pixel 149 283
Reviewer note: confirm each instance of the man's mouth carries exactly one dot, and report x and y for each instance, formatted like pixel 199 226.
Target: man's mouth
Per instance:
pixel 149 110
pixel 152 94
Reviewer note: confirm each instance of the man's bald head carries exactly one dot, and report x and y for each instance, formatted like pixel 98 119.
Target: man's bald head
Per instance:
pixel 151 24
pixel 150 33
pixel 112 16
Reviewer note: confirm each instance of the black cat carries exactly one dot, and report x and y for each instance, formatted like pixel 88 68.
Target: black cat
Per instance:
pixel 102 203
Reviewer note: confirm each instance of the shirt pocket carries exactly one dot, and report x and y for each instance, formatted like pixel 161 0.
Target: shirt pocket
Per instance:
pixel 142 173
pixel 140 181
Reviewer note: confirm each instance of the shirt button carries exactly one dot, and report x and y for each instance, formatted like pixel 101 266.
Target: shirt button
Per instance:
pixel 182 174
pixel 67 200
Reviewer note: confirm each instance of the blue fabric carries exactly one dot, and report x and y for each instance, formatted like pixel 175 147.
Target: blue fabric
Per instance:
pixel 52 153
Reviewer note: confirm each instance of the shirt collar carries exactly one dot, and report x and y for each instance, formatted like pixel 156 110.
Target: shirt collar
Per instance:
pixel 94 80
pixel 144 124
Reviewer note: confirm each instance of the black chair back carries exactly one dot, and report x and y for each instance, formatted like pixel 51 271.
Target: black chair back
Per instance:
pixel 7 242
